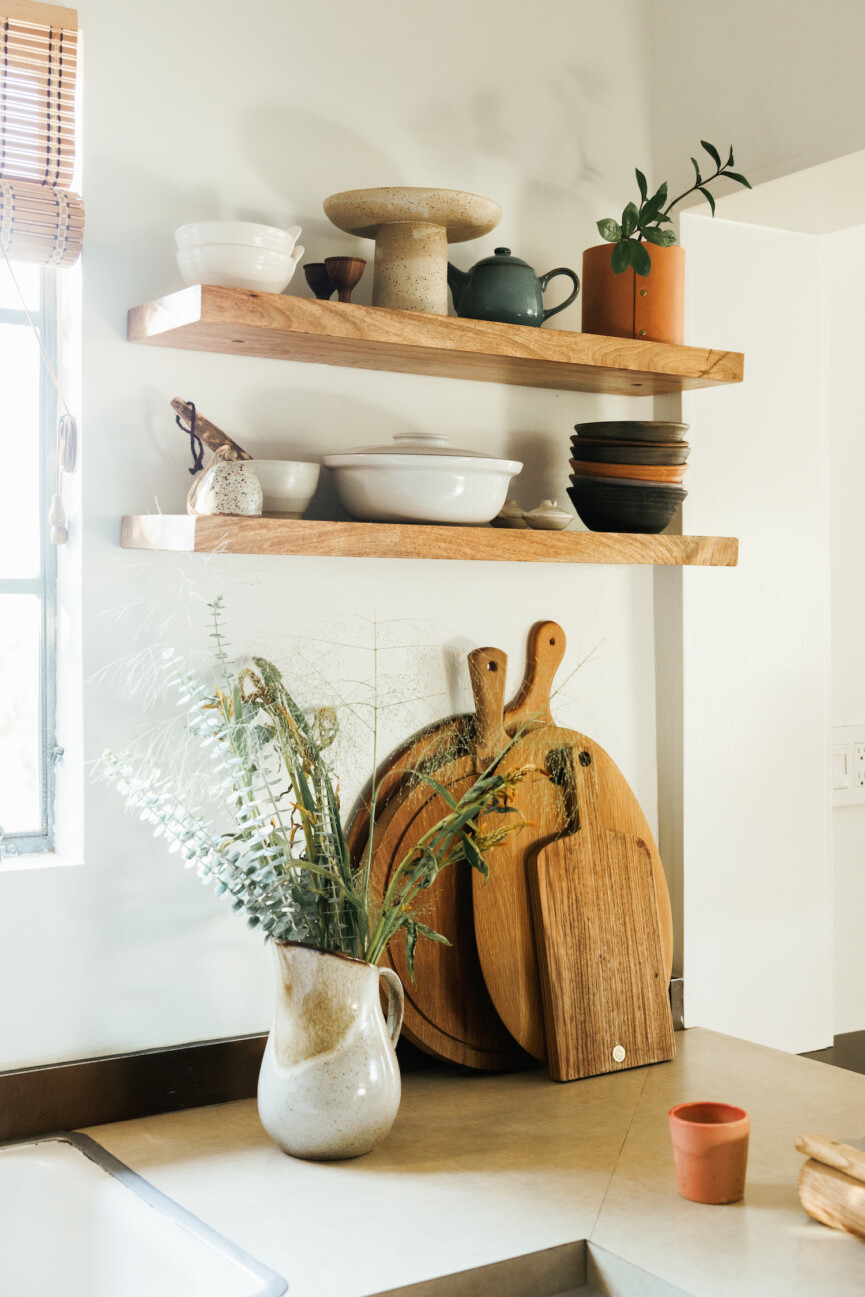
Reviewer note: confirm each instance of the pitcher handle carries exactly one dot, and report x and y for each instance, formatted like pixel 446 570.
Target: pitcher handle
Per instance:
pixel 545 279
pixel 395 1002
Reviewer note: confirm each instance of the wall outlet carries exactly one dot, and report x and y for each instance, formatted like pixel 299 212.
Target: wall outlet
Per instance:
pixel 848 765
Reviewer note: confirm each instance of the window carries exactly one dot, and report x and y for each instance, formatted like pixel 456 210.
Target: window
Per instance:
pixel 28 454
pixel 41 230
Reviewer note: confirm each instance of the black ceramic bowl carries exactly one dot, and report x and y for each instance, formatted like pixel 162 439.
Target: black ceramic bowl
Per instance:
pixel 597 452
pixel 633 430
pixel 607 506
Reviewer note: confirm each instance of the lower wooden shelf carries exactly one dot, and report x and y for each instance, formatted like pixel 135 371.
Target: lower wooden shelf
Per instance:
pixel 222 534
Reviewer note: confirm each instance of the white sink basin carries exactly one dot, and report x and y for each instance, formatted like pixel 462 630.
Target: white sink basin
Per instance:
pixel 75 1222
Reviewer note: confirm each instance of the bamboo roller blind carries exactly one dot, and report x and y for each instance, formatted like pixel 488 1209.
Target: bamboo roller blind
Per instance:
pixel 40 218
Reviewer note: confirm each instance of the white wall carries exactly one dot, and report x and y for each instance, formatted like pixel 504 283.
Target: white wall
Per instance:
pixel 199 110
pixel 757 884
pixel 844 277
pixel 779 79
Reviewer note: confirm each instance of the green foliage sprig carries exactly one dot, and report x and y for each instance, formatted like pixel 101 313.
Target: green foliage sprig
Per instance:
pixel 649 219
pixel 285 863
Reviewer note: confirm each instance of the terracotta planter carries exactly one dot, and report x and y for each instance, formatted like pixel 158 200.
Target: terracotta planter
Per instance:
pixel 629 305
pixel 329 1085
pixel 710 1149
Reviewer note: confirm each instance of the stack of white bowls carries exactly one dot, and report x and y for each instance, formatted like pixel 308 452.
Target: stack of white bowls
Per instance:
pixel 238 254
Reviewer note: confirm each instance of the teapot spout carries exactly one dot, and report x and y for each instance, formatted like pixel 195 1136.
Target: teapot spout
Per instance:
pixel 456 283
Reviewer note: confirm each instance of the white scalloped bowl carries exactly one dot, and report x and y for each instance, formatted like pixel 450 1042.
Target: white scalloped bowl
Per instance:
pixel 247 234
pixel 234 266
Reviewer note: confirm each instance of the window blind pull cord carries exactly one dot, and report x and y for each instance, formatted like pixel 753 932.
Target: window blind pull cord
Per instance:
pixel 67 429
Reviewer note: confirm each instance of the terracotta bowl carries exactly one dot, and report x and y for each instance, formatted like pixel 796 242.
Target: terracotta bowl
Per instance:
pixel 654 430
pixel 645 508
pixel 597 452
pixel 672 473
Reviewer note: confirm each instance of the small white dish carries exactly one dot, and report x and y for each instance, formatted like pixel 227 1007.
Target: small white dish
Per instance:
pixel 246 234
pixel 235 266
pixel 511 515
pixel 421 479
pixel 287 486
pixel 549 517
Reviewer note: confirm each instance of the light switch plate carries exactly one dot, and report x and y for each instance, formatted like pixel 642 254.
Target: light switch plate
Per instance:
pixel 848 765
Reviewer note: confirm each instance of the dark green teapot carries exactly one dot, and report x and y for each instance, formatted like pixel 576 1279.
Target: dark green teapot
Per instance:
pixel 505 289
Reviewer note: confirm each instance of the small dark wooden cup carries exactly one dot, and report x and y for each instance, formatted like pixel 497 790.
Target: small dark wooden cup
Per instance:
pixel 319 280
pixel 345 274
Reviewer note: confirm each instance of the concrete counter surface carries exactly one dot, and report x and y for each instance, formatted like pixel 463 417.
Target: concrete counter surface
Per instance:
pixel 482 1168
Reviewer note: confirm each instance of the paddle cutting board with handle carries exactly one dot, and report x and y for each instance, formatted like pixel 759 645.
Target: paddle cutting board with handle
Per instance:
pixel 503 921
pixel 602 970
pixel 448 1011
pixel 449 739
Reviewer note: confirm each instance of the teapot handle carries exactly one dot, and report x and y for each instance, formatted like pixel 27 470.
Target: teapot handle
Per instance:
pixel 545 279
pixel 395 1002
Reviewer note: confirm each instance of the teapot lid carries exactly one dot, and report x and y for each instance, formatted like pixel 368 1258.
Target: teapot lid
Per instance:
pixel 502 257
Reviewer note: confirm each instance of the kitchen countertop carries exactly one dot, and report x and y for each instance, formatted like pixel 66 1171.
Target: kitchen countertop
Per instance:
pixel 479 1168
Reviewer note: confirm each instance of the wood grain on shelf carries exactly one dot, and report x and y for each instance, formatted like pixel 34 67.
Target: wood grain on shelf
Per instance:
pixel 280 326
pixel 403 540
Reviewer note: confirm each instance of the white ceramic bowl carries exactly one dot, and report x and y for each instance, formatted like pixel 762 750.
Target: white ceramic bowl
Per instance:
pixel 243 233
pixel 287 486
pixel 235 266
pixel 426 484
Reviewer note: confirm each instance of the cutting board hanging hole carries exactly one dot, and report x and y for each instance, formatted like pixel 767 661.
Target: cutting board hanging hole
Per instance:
pixel 585 758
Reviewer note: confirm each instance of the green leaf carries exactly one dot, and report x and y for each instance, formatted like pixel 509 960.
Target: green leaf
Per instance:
pixel 710 198
pixel 411 935
pixel 431 934
pixel 729 161
pixel 712 152
pixel 741 180
pixel 661 238
pixel 641 181
pixel 610 230
pixel 640 259
pixel 654 205
pixel 629 220
pixel 621 258
pixel 697 169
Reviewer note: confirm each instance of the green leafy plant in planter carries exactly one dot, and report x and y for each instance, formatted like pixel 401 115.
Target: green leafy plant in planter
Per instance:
pixel 285 862
pixel 649 222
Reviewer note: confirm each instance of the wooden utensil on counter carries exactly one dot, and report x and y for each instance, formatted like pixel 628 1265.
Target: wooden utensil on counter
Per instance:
pixel 832 1183
pixel 503 917
pixel 448 1011
pixel 602 972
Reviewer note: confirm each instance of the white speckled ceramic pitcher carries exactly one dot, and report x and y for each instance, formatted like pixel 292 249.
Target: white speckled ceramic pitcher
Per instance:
pixel 329 1085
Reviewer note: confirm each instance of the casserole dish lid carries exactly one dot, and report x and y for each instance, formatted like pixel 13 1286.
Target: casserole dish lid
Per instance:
pixel 417 443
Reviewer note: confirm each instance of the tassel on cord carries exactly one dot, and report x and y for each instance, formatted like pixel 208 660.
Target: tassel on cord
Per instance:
pixel 67 429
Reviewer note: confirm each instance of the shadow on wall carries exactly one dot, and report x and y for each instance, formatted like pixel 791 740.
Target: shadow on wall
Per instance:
pixel 336 157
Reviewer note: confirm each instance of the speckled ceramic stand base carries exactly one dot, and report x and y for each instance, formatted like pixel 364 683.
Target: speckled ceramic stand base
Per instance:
pixel 410 272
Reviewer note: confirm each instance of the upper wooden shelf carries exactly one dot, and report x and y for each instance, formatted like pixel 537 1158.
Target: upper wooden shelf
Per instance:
pixel 239 322
pixel 222 534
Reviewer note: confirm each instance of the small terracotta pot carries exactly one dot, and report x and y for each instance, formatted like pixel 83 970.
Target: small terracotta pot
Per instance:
pixel 631 305
pixel 710 1149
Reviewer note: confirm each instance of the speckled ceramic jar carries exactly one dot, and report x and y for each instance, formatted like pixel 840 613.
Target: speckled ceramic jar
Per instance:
pixel 227 486
pixel 329 1086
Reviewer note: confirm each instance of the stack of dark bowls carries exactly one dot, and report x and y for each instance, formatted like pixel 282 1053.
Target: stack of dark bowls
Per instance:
pixel 626 475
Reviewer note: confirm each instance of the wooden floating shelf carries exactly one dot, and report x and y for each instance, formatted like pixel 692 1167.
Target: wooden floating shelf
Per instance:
pixel 243 323
pixel 222 534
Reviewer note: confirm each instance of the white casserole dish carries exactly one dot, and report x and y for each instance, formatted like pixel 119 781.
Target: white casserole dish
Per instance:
pixel 421 479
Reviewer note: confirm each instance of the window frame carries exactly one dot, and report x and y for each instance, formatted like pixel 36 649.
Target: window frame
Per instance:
pixel 44 585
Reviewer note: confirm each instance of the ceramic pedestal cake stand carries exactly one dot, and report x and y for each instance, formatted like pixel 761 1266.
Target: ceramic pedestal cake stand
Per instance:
pixel 412 228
